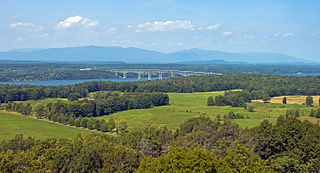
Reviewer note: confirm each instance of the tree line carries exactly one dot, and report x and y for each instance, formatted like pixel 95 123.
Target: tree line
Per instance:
pixel 258 86
pixel 79 112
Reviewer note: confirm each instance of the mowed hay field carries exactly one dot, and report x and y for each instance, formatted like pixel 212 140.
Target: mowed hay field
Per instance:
pixel 12 124
pixel 292 99
pixel 184 106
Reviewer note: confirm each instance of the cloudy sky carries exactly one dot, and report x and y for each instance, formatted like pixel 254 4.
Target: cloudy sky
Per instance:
pixel 284 26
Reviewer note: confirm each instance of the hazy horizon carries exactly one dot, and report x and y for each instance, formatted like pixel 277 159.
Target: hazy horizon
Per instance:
pixel 286 27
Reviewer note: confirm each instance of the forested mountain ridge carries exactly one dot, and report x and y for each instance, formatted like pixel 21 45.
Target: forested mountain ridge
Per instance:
pixel 137 55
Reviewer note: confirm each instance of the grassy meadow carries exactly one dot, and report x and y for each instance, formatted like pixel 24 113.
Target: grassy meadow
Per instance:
pixel 12 124
pixel 182 107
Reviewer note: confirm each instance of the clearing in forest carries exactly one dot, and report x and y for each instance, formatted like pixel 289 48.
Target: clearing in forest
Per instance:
pixel 12 124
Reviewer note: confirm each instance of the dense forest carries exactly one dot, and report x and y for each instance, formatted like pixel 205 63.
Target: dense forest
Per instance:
pixel 30 71
pixel 200 145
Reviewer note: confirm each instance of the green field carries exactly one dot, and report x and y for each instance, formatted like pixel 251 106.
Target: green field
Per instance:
pixel 184 106
pixel 12 124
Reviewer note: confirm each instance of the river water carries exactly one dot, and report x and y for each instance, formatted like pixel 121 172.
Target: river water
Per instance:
pixel 72 82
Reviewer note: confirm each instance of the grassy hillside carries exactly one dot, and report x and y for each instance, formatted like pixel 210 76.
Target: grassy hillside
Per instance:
pixel 184 106
pixel 12 124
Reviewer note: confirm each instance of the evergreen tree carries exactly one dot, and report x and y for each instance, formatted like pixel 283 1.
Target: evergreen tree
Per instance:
pixel 251 108
pixel 309 101
pixel 318 113
pixel 312 113
pixel 210 101
pixel 297 114
pixel 284 100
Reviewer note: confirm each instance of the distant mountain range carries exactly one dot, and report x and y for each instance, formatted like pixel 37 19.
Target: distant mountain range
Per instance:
pixel 137 55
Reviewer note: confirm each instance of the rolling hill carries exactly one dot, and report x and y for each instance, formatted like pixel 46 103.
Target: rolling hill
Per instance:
pixel 137 55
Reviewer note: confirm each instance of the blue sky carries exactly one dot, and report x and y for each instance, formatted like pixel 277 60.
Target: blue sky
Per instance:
pixel 285 26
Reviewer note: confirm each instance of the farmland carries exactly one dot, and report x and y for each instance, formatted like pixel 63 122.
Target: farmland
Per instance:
pixel 12 124
pixel 184 106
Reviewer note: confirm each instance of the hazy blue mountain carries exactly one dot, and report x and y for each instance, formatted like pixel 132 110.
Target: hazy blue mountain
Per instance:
pixel 252 57
pixel 136 55
pixel 88 53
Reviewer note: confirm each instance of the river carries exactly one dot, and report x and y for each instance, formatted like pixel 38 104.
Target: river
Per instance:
pixel 72 82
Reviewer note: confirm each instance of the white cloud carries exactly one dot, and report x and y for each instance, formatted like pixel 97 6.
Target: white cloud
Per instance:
pixel 163 26
pixel 227 33
pixel 213 27
pixel 75 21
pixel 289 34
pixel 21 24
pixel 276 34
pixel 210 27
pixel 29 27
pixel 111 31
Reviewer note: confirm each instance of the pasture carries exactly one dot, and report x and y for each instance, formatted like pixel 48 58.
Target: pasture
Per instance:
pixel 184 106
pixel 12 124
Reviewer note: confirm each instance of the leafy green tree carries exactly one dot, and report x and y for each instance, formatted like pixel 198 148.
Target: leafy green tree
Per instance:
pixel 266 98
pixel 97 124
pixel 84 122
pixel 309 101
pixel 111 125
pixel 91 124
pixel 122 127
pixel 39 111
pixel 242 159
pixel 210 101
pixel 250 108
pixel 77 122
pixel 312 113
pixel 285 144
pixel 179 160
pixel 71 121
pixel 104 126
pixel 284 100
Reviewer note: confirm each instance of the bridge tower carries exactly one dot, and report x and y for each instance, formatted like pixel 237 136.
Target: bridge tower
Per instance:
pixel 149 75
pixel 160 75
